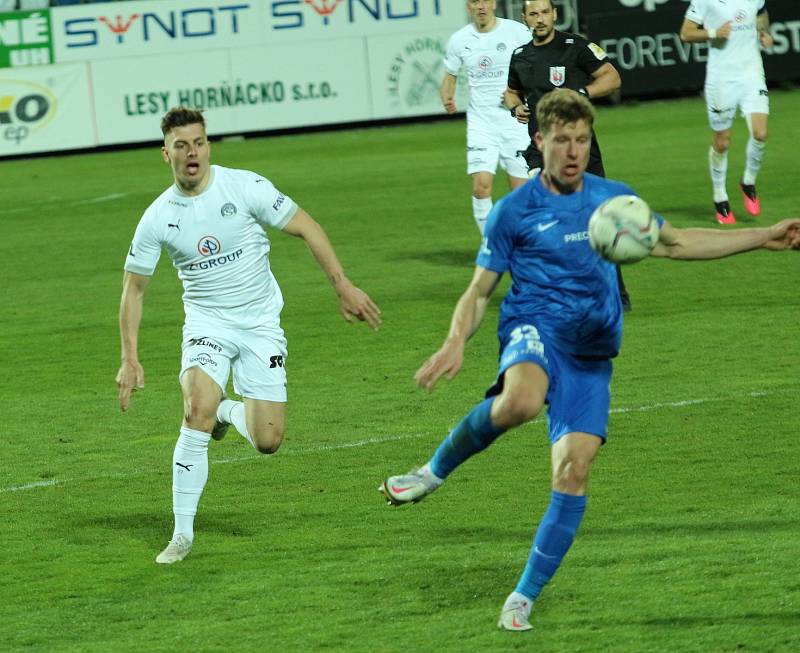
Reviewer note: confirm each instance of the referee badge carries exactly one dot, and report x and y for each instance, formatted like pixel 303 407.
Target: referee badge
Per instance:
pixel 557 75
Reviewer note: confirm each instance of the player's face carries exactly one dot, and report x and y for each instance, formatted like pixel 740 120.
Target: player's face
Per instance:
pixel 565 150
pixel 540 16
pixel 481 11
pixel 187 151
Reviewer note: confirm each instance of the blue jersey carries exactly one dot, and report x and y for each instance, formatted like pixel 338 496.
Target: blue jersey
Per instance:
pixel 560 284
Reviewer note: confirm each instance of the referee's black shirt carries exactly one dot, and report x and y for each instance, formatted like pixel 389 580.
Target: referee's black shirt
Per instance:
pixel 568 61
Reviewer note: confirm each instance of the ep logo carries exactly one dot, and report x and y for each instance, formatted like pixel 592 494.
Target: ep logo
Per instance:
pixel 18 114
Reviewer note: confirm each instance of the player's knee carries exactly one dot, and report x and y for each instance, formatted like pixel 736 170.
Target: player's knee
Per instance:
pixel 571 474
pixel 722 142
pixel 267 438
pixel 760 134
pixel 517 408
pixel 481 192
pixel 199 413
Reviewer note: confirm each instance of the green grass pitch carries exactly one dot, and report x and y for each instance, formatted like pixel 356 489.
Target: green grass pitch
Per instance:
pixel 690 543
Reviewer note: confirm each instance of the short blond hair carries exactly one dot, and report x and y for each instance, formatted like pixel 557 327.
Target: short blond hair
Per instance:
pixel 564 106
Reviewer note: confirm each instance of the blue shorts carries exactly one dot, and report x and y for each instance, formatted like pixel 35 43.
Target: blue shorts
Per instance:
pixel 579 394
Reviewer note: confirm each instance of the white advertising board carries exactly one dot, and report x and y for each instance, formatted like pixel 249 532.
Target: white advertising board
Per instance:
pixel 45 108
pixel 250 89
pixel 306 20
pixel 406 72
pixel 98 31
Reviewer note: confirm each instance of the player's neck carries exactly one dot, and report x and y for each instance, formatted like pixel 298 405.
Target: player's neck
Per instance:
pixel 194 189
pixel 488 27
pixel 558 187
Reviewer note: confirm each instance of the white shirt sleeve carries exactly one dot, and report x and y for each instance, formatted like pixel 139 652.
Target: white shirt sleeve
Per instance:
pixel 271 207
pixel 145 249
pixel 696 11
pixel 522 35
pixel 452 60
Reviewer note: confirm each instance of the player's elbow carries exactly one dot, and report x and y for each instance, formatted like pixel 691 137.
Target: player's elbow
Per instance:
pixel 686 34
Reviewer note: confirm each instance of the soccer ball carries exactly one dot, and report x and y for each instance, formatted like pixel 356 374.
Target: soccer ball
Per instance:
pixel 623 229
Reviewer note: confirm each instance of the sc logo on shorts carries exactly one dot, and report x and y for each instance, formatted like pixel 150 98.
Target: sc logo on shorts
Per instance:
pixel 275 361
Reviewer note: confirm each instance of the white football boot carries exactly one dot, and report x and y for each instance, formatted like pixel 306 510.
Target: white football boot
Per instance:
pixel 410 488
pixel 515 613
pixel 176 550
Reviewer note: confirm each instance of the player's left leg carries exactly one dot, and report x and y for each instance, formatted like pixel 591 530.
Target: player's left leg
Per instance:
pixel 756 144
pixel 577 424
pixel 259 376
pixel 481 197
pixel 572 458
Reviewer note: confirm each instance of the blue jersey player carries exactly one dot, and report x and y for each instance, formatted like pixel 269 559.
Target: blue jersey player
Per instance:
pixel 560 326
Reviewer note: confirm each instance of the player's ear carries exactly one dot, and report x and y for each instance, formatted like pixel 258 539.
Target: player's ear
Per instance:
pixel 539 140
pixel 164 154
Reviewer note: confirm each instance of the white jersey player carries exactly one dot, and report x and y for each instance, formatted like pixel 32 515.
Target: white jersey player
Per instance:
pixel 736 30
pixel 212 224
pixel 483 48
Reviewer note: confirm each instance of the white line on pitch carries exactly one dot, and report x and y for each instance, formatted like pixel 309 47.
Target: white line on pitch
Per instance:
pixel 301 450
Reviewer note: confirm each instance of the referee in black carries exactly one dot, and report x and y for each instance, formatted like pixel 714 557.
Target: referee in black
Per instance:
pixel 555 59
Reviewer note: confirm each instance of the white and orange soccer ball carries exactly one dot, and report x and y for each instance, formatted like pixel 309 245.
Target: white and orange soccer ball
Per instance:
pixel 623 229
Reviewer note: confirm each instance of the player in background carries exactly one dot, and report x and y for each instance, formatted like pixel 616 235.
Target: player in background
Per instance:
pixel 555 59
pixel 559 328
pixel 212 223
pixel 735 30
pixel 483 48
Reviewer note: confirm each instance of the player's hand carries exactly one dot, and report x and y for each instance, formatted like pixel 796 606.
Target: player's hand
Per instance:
pixel 354 302
pixel 449 104
pixel 445 362
pixel 784 235
pixel 766 39
pixel 522 114
pixel 130 378
pixel 724 31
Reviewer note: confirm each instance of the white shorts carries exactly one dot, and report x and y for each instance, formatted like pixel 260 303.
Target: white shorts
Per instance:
pixel 257 356
pixel 723 97
pixel 488 146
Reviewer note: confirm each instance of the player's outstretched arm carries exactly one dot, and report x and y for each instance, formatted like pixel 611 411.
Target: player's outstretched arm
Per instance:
pixel 467 317
pixel 694 244
pixel 353 302
pixel 130 376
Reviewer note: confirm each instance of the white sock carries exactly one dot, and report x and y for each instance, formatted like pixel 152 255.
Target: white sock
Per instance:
pixel 718 167
pixel 189 476
pixel 232 412
pixel 755 153
pixel 480 209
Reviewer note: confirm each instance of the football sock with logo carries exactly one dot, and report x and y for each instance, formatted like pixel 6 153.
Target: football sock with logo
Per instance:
pixel 553 539
pixel 232 412
pixel 755 154
pixel 480 209
pixel 718 167
pixel 189 476
pixel 472 435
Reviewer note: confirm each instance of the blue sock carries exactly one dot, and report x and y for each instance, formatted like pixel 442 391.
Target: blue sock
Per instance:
pixel 472 435
pixel 553 539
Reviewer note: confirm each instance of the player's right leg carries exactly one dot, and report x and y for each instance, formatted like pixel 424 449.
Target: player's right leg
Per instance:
pixel 522 396
pixel 201 396
pixel 721 103
pixel 483 153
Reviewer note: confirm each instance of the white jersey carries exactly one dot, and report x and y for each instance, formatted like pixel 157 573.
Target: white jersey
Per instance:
pixel 740 54
pixel 218 245
pixel 485 56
